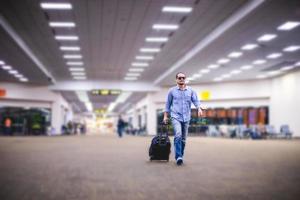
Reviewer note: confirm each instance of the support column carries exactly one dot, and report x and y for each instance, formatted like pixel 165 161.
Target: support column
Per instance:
pixel 135 118
pixel 60 116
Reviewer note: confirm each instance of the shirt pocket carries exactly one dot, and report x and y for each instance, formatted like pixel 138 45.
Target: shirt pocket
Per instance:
pixel 176 97
pixel 188 97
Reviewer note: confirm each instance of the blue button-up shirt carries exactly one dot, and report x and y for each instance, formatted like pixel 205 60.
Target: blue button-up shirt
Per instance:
pixel 179 103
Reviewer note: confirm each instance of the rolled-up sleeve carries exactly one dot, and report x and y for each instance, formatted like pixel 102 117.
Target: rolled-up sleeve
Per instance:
pixel 169 102
pixel 195 99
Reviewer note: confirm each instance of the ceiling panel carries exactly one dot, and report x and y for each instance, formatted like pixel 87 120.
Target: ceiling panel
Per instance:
pixel 263 20
pixel 132 100
pixel 72 98
pixel 29 21
pixel 13 56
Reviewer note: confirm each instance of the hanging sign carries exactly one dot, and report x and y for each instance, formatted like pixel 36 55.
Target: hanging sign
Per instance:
pixel 104 92
pixel 205 95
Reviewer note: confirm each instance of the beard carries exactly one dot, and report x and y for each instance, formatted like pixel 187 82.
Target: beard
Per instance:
pixel 181 83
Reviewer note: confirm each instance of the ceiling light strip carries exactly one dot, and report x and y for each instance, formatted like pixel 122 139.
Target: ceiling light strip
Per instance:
pixel 156 39
pixel 56 6
pixel 69 48
pixel 62 24
pixel 176 9
pixel 165 26
pixel 67 37
pixel 144 57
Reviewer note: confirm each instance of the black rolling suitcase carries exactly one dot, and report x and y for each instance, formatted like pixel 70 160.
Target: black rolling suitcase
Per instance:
pixel 160 147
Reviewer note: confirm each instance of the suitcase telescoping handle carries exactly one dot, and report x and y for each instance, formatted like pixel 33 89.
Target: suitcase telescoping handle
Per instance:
pixel 162 126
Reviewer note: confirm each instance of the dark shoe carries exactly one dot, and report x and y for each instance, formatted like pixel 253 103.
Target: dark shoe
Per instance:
pixel 179 161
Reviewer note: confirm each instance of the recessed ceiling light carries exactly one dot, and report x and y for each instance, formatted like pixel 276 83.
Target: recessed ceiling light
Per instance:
pixel 62 24
pixel 73 56
pixel 157 39
pixel 274 72
pixel 79 77
pixel 23 79
pixel 136 69
pixel 140 64
pixel 149 50
pixel 75 73
pixel 70 48
pixel 266 37
pixel 165 26
pixel 130 78
pixel 13 71
pixel 75 63
pixel 235 72
pixel 204 71
pixel 19 76
pixel 259 62
pixel 291 48
pixel 286 68
pixel 66 37
pixel 223 61
pixel 226 76
pixel 197 75
pixel 261 76
pixel 6 67
pixel 249 46
pixel 213 66
pixel 2 62
pixel 133 74
pixel 288 26
pixel 177 9
pixel 246 67
pixel 56 6
pixel 144 57
pixel 77 69
pixel 218 79
pixel 235 54
pixel 274 55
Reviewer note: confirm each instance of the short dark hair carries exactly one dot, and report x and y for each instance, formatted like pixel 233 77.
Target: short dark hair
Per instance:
pixel 179 73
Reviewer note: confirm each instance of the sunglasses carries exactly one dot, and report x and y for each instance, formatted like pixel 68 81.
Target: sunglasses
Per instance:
pixel 181 78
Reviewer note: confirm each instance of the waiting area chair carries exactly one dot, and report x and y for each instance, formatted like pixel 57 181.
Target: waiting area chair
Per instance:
pixel 285 131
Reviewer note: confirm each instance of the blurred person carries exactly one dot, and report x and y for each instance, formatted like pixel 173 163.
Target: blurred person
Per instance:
pixel 70 127
pixel 178 105
pixel 261 128
pixel 120 126
pixel 7 126
pixel 82 128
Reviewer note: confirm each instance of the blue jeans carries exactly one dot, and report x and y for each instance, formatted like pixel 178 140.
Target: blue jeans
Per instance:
pixel 120 131
pixel 180 133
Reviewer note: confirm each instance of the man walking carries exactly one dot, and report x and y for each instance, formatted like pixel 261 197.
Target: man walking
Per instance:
pixel 179 101
pixel 120 126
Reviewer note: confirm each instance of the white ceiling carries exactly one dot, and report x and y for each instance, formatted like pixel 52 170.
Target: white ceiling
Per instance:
pixel 111 32
pixel 265 19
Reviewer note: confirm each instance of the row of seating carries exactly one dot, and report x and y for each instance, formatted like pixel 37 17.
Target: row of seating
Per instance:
pixel 253 131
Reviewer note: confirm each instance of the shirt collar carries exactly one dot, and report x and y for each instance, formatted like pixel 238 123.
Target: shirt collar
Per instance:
pixel 183 89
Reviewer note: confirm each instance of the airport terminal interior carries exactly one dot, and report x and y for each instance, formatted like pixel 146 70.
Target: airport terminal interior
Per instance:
pixel 84 86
